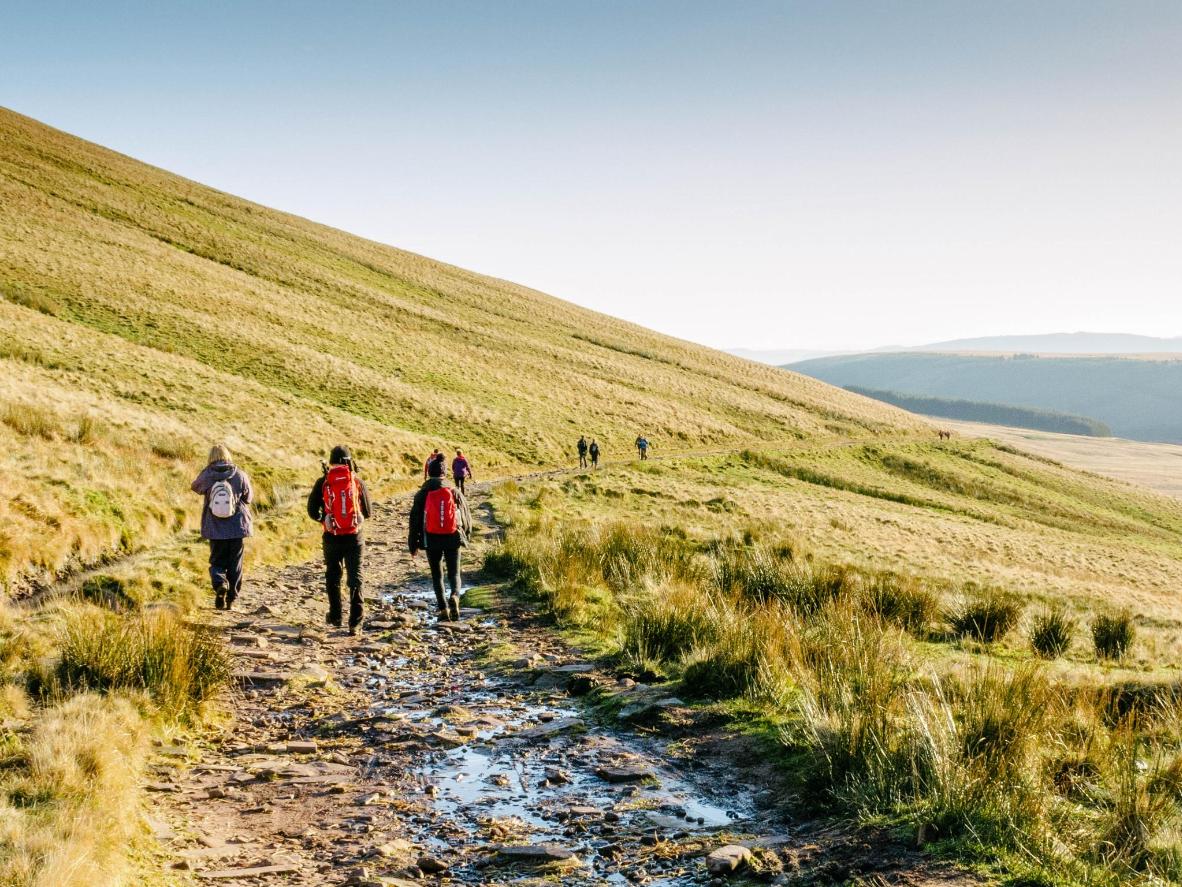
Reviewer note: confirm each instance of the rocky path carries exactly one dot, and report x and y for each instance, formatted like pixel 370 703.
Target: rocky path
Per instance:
pixel 464 753
pixel 425 750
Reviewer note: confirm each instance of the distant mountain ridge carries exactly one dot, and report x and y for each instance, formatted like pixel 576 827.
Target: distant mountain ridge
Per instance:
pixel 1061 343
pixel 1139 399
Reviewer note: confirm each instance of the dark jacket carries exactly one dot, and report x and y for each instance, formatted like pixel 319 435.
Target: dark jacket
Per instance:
pixel 316 501
pixel 416 539
pixel 240 524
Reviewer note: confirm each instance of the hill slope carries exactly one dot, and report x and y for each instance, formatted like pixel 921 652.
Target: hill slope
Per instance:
pixel 1137 399
pixel 144 315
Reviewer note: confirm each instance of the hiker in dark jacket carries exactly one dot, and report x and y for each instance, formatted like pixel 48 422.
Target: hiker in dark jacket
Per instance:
pixel 435 456
pixel 461 470
pixel 225 522
pixel 594 451
pixel 342 512
pixel 582 448
pixel 454 525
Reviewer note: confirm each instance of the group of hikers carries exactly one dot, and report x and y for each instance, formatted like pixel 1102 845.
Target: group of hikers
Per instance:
pixel 591 450
pixel 440 524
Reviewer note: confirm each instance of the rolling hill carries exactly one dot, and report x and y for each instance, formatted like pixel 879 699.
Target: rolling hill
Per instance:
pixel 143 316
pixel 1136 398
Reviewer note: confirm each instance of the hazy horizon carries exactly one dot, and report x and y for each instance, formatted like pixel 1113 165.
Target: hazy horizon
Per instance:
pixel 769 176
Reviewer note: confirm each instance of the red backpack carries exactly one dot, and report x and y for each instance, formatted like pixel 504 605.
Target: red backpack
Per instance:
pixel 342 511
pixel 440 516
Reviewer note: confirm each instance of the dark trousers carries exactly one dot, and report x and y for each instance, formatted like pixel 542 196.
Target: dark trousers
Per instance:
pixel 582 460
pixel 459 483
pixel 343 554
pixel 225 566
pixel 444 551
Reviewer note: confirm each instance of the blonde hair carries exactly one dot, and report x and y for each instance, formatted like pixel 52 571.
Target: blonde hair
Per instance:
pixel 219 453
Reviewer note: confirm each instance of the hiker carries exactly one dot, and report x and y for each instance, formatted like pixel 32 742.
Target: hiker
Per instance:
pixel 642 447
pixel 582 447
pixel 594 451
pixel 340 501
pixel 435 456
pixel 225 522
pixel 460 470
pixel 441 525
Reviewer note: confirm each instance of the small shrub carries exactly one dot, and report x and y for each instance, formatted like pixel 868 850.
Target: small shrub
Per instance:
pixel 987 618
pixel 1052 633
pixel 1112 634
pixel 176 665
pixel 901 601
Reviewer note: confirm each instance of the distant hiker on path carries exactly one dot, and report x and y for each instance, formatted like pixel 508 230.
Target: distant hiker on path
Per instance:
pixel 225 522
pixel 594 451
pixel 340 501
pixel 582 447
pixel 642 447
pixel 441 525
pixel 435 456
pixel 460 470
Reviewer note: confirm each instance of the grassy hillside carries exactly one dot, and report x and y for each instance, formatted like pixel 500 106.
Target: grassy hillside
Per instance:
pixel 996 413
pixel 1137 398
pixel 144 315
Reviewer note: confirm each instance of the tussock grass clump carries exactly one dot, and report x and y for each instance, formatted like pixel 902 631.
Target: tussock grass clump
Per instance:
pixel 901 600
pixel 69 803
pixel 1051 633
pixel 986 618
pixel 1113 634
pixel 177 666
pixel 762 574
pixel 747 659
pixel 30 420
pixel 668 623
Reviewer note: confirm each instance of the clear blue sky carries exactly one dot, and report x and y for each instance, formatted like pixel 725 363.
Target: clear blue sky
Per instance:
pixel 763 174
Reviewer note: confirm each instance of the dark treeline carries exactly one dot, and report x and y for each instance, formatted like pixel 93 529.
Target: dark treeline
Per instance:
pixel 991 413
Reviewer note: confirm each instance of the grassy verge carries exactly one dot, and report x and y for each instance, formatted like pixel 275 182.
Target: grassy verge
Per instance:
pixel 936 704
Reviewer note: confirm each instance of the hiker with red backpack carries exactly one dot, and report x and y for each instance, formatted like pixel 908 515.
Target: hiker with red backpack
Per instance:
pixel 441 525
pixel 225 522
pixel 461 470
pixel 340 501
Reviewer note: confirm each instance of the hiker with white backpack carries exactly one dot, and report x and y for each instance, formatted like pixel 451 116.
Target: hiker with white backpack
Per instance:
pixel 225 522
pixel 340 501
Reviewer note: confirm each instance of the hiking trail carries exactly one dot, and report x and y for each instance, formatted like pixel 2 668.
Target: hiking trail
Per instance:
pixel 424 750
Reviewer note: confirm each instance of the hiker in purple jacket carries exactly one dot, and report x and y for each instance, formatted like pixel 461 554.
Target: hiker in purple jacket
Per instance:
pixel 460 470
pixel 225 522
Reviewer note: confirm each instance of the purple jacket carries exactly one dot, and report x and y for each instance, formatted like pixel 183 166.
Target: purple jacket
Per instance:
pixel 240 525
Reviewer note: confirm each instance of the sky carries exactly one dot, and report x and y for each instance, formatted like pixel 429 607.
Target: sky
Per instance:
pixel 809 175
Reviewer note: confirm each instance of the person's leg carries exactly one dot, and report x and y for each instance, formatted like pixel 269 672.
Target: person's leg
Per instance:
pixel 235 552
pixel 217 571
pixel 434 557
pixel 452 554
pixel 353 555
pixel 332 578
pixel 460 484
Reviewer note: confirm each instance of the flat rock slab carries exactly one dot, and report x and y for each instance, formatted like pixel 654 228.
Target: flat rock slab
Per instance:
pixel 537 853
pixel 259 680
pixel 256 871
pixel 727 859
pixel 543 731
pixel 625 773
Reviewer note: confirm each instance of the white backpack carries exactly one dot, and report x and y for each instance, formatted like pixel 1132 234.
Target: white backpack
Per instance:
pixel 222 501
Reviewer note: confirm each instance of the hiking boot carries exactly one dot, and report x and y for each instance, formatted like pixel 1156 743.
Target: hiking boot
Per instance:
pixel 442 614
pixel 453 608
pixel 219 602
pixel 354 628
pixel 219 595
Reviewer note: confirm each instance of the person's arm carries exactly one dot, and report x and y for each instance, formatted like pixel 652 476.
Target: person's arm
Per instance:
pixel 364 495
pixel 465 514
pixel 201 484
pixel 316 501
pixel 414 538
pixel 247 488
